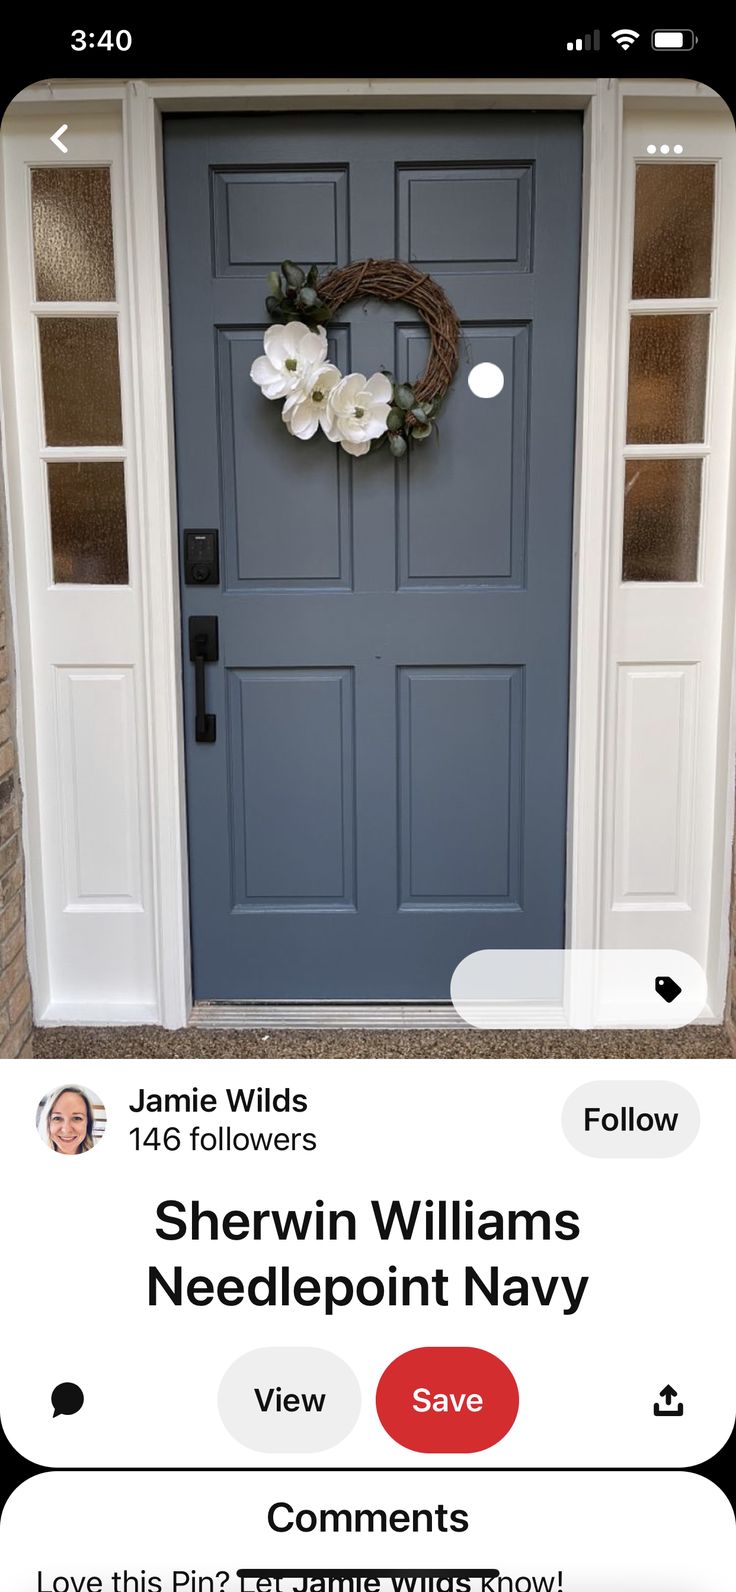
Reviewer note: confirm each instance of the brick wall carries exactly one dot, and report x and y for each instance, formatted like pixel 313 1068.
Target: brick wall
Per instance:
pixel 15 990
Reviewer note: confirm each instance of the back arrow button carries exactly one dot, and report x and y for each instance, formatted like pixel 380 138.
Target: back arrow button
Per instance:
pixel 56 138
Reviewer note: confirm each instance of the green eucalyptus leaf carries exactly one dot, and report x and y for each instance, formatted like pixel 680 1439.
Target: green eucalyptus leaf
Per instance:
pixel 395 419
pixel 405 397
pixel 397 444
pixel 274 284
pixel 420 432
pixel 312 275
pixel 275 306
pixel 293 273
pixel 307 298
pixel 319 316
pixel 419 412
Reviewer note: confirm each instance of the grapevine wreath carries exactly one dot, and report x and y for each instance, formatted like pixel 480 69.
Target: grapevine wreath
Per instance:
pixel 357 412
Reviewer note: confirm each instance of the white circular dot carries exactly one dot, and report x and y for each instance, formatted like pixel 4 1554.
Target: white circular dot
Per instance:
pixel 486 380
pixel 664 149
pixel 651 149
pixel 678 149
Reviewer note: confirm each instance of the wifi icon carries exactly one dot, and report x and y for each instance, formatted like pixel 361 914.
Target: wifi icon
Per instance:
pixel 625 37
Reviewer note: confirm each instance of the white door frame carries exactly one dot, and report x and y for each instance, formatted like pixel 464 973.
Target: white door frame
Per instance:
pixel 603 103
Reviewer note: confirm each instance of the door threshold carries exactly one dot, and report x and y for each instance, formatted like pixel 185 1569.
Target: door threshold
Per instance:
pixel 313 1014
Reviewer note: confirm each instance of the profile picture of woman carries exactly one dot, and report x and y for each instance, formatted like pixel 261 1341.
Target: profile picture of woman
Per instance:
pixel 71 1120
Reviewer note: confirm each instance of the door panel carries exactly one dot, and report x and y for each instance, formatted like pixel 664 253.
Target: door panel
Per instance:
pixel 257 468
pixel 459 817
pixel 387 791
pixel 484 545
pixel 292 788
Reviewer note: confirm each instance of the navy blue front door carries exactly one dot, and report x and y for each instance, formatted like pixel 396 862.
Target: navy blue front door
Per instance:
pixel 387 788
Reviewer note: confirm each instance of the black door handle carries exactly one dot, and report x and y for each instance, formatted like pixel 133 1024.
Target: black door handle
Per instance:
pixel 203 648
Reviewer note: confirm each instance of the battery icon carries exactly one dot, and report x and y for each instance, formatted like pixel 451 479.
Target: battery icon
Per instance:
pixel 673 39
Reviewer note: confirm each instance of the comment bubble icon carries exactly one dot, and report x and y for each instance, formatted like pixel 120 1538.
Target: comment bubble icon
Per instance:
pixel 67 1399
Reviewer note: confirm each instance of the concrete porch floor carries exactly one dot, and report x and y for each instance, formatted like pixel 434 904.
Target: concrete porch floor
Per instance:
pixel 453 1044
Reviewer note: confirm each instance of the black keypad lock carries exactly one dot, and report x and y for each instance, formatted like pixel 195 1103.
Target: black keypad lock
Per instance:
pixel 201 558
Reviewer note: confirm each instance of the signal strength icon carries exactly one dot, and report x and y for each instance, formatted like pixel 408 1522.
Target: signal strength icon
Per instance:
pixel 588 42
pixel 625 37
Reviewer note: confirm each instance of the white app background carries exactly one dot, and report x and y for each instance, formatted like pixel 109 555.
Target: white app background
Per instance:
pixel 571 1533
pixel 655 1244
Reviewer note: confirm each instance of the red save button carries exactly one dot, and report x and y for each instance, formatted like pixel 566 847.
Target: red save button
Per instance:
pixel 447 1401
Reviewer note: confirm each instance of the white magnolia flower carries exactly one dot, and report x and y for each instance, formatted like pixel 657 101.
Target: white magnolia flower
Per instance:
pixel 290 354
pixel 357 411
pixel 306 409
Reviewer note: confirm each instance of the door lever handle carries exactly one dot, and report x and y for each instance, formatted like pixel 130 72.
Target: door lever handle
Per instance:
pixel 203 649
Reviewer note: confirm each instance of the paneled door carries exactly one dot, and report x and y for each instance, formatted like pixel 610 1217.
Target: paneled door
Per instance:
pixel 386 790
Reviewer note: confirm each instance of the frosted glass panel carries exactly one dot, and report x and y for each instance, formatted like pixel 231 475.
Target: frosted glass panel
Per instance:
pixel 662 519
pixel 81 382
pixel 72 233
pixel 668 369
pixel 673 231
pixel 88 527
